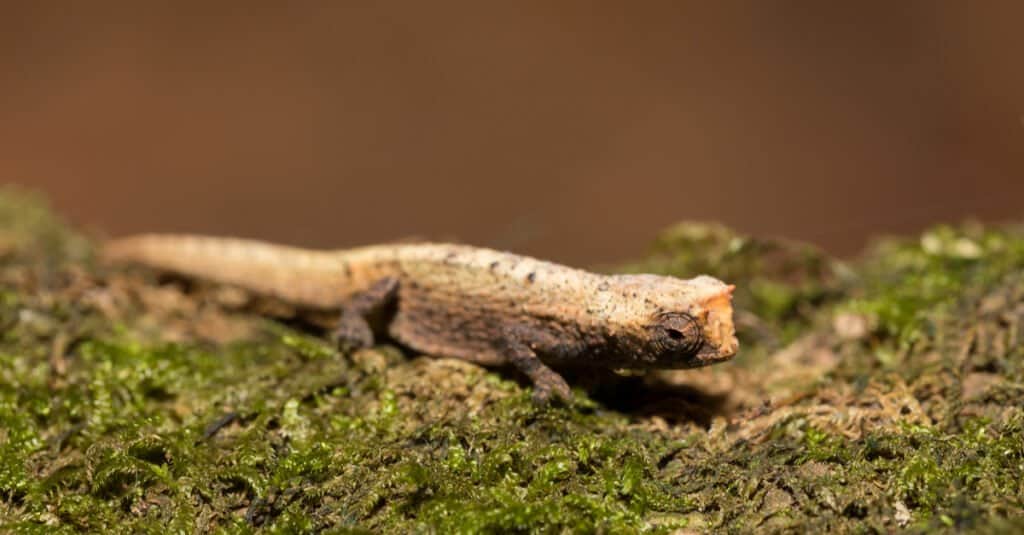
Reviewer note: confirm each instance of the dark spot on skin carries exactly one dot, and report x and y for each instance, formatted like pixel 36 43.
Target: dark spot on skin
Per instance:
pixel 450 256
pixel 531 277
pixel 634 295
pixel 512 304
pixel 348 269
pixel 494 265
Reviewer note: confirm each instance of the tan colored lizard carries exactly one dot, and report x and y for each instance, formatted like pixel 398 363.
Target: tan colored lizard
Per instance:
pixel 476 304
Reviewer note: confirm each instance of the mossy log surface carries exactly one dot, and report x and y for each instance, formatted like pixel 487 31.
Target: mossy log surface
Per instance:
pixel 878 395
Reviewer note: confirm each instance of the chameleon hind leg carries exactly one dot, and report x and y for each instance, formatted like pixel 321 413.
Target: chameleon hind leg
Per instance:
pixel 353 329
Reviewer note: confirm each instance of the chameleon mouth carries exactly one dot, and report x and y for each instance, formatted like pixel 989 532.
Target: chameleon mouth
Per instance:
pixel 710 354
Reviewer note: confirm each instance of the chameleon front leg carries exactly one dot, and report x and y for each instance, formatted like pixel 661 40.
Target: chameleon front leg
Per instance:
pixel 353 330
pixel 518 349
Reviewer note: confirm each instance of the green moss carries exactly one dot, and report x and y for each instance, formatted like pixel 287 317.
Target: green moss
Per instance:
pixel 30 231
pixel 107 423
pixel 909 284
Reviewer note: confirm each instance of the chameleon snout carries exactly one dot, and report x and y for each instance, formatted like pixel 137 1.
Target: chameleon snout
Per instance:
pixel 720 341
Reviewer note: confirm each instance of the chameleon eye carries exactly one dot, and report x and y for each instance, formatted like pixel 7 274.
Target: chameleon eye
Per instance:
pixel 682 331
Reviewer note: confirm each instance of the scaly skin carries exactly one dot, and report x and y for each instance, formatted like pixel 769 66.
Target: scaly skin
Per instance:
pixel 470 303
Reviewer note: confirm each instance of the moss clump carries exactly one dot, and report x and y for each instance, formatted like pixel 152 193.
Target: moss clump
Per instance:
pixel 908 284
pixel 31 232
pixel 876 397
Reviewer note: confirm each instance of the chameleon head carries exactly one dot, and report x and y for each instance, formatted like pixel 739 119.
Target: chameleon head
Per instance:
pixel 683 323
pixel 701 335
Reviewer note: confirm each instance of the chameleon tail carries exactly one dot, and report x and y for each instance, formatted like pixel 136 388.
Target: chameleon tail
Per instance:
pixel 310 278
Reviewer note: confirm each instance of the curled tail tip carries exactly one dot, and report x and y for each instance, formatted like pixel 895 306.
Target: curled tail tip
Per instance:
pixel 117 250
pixel 126 249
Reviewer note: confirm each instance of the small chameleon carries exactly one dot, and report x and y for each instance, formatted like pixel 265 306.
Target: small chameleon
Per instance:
pixel 471 303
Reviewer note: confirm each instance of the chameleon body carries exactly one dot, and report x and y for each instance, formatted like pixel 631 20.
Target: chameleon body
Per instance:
pixel 471 303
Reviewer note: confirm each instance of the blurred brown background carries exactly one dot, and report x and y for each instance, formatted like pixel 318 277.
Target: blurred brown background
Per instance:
pixel 570 130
